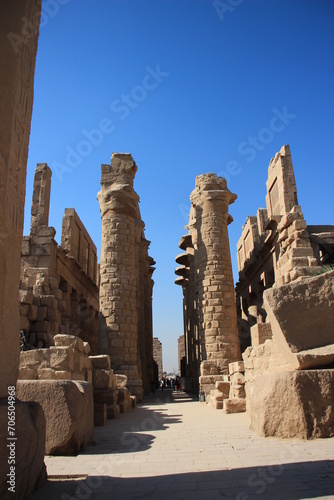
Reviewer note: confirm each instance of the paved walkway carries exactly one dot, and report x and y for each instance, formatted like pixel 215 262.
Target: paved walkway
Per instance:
pixel 173 447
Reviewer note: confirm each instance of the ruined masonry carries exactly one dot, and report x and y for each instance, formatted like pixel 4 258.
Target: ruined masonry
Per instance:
pixel 157 355
pixel 59 284
pixel 125 325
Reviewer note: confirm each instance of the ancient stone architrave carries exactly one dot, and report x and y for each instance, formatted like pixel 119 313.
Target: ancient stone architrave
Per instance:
pixel 59 284
pixel 125 271
pixel 157 355
pixel 17 61
pixel 207 268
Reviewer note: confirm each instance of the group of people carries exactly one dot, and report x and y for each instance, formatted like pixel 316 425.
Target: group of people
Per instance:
pixel 166 383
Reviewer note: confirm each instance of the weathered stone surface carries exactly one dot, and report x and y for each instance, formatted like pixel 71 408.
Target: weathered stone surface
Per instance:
pixel 234 405
pixel 113 411
pixel 301 315
pixel 102 361
pixel 68 409
pixel 102 379
pixel 294 404
pixel 109 396
pixel 121 380
pixel 30 471
pixel 237 367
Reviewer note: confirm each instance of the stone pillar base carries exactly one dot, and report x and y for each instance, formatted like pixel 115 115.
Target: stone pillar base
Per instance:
pixel 27 451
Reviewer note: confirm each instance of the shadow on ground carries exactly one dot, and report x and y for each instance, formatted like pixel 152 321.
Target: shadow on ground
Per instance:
pixel 284 481
pixel 134 435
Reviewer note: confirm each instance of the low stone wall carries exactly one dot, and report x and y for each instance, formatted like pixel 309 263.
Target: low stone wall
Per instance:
pixel 68 359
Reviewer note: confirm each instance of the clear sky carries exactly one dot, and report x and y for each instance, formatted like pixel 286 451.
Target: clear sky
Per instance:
pixel 187 87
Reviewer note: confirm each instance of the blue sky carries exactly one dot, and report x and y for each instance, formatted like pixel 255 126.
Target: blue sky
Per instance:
pixel 187 87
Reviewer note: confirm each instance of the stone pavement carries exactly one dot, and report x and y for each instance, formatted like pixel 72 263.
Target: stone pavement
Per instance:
pixel 173 447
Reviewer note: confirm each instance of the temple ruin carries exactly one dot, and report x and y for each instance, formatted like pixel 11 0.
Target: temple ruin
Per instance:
pixel 284 306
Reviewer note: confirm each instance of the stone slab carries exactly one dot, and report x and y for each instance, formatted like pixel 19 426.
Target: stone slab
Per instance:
pixel 295 404
pixel 68 409
pixel 29 447
pixel 301 315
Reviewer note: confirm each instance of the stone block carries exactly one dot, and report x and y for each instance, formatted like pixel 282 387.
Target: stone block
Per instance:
pixel 26 296
pixel 301 316
pixel 234 405
pixel 121 380
pixel 223 387
pixel 32 314
pixel 237 379
pixel 237 366
pixel 109 396
pixel 49 301
pixel 61 358
pixel 295 404
pixel 123 394
pixel 41 314
pixel 101 379
pixel 27 374
pixel 125 406
pixel 46 374
pixel 113 411
pixel 65 341
pixel 133 400
pixel 237 391
pixel 68 409
pixel 30 471
pixel 101 361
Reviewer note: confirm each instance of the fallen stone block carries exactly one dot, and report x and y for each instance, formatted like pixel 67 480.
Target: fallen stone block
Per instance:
pixel 301 315
pixel 29 447
pixel 295 404
pixel 234 405
pixel 68 409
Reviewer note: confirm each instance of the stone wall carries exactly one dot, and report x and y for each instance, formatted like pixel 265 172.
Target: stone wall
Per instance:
pixel 125 327
pixel 157 356
pixel 205 271
pixel 59 284
pixel 17 61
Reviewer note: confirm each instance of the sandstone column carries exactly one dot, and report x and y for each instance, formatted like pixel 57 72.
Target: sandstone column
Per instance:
pixel 214 281
pixel 118 326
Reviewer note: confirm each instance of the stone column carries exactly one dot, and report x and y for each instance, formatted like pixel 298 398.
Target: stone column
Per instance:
pixel 118 325
pixel 214 281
